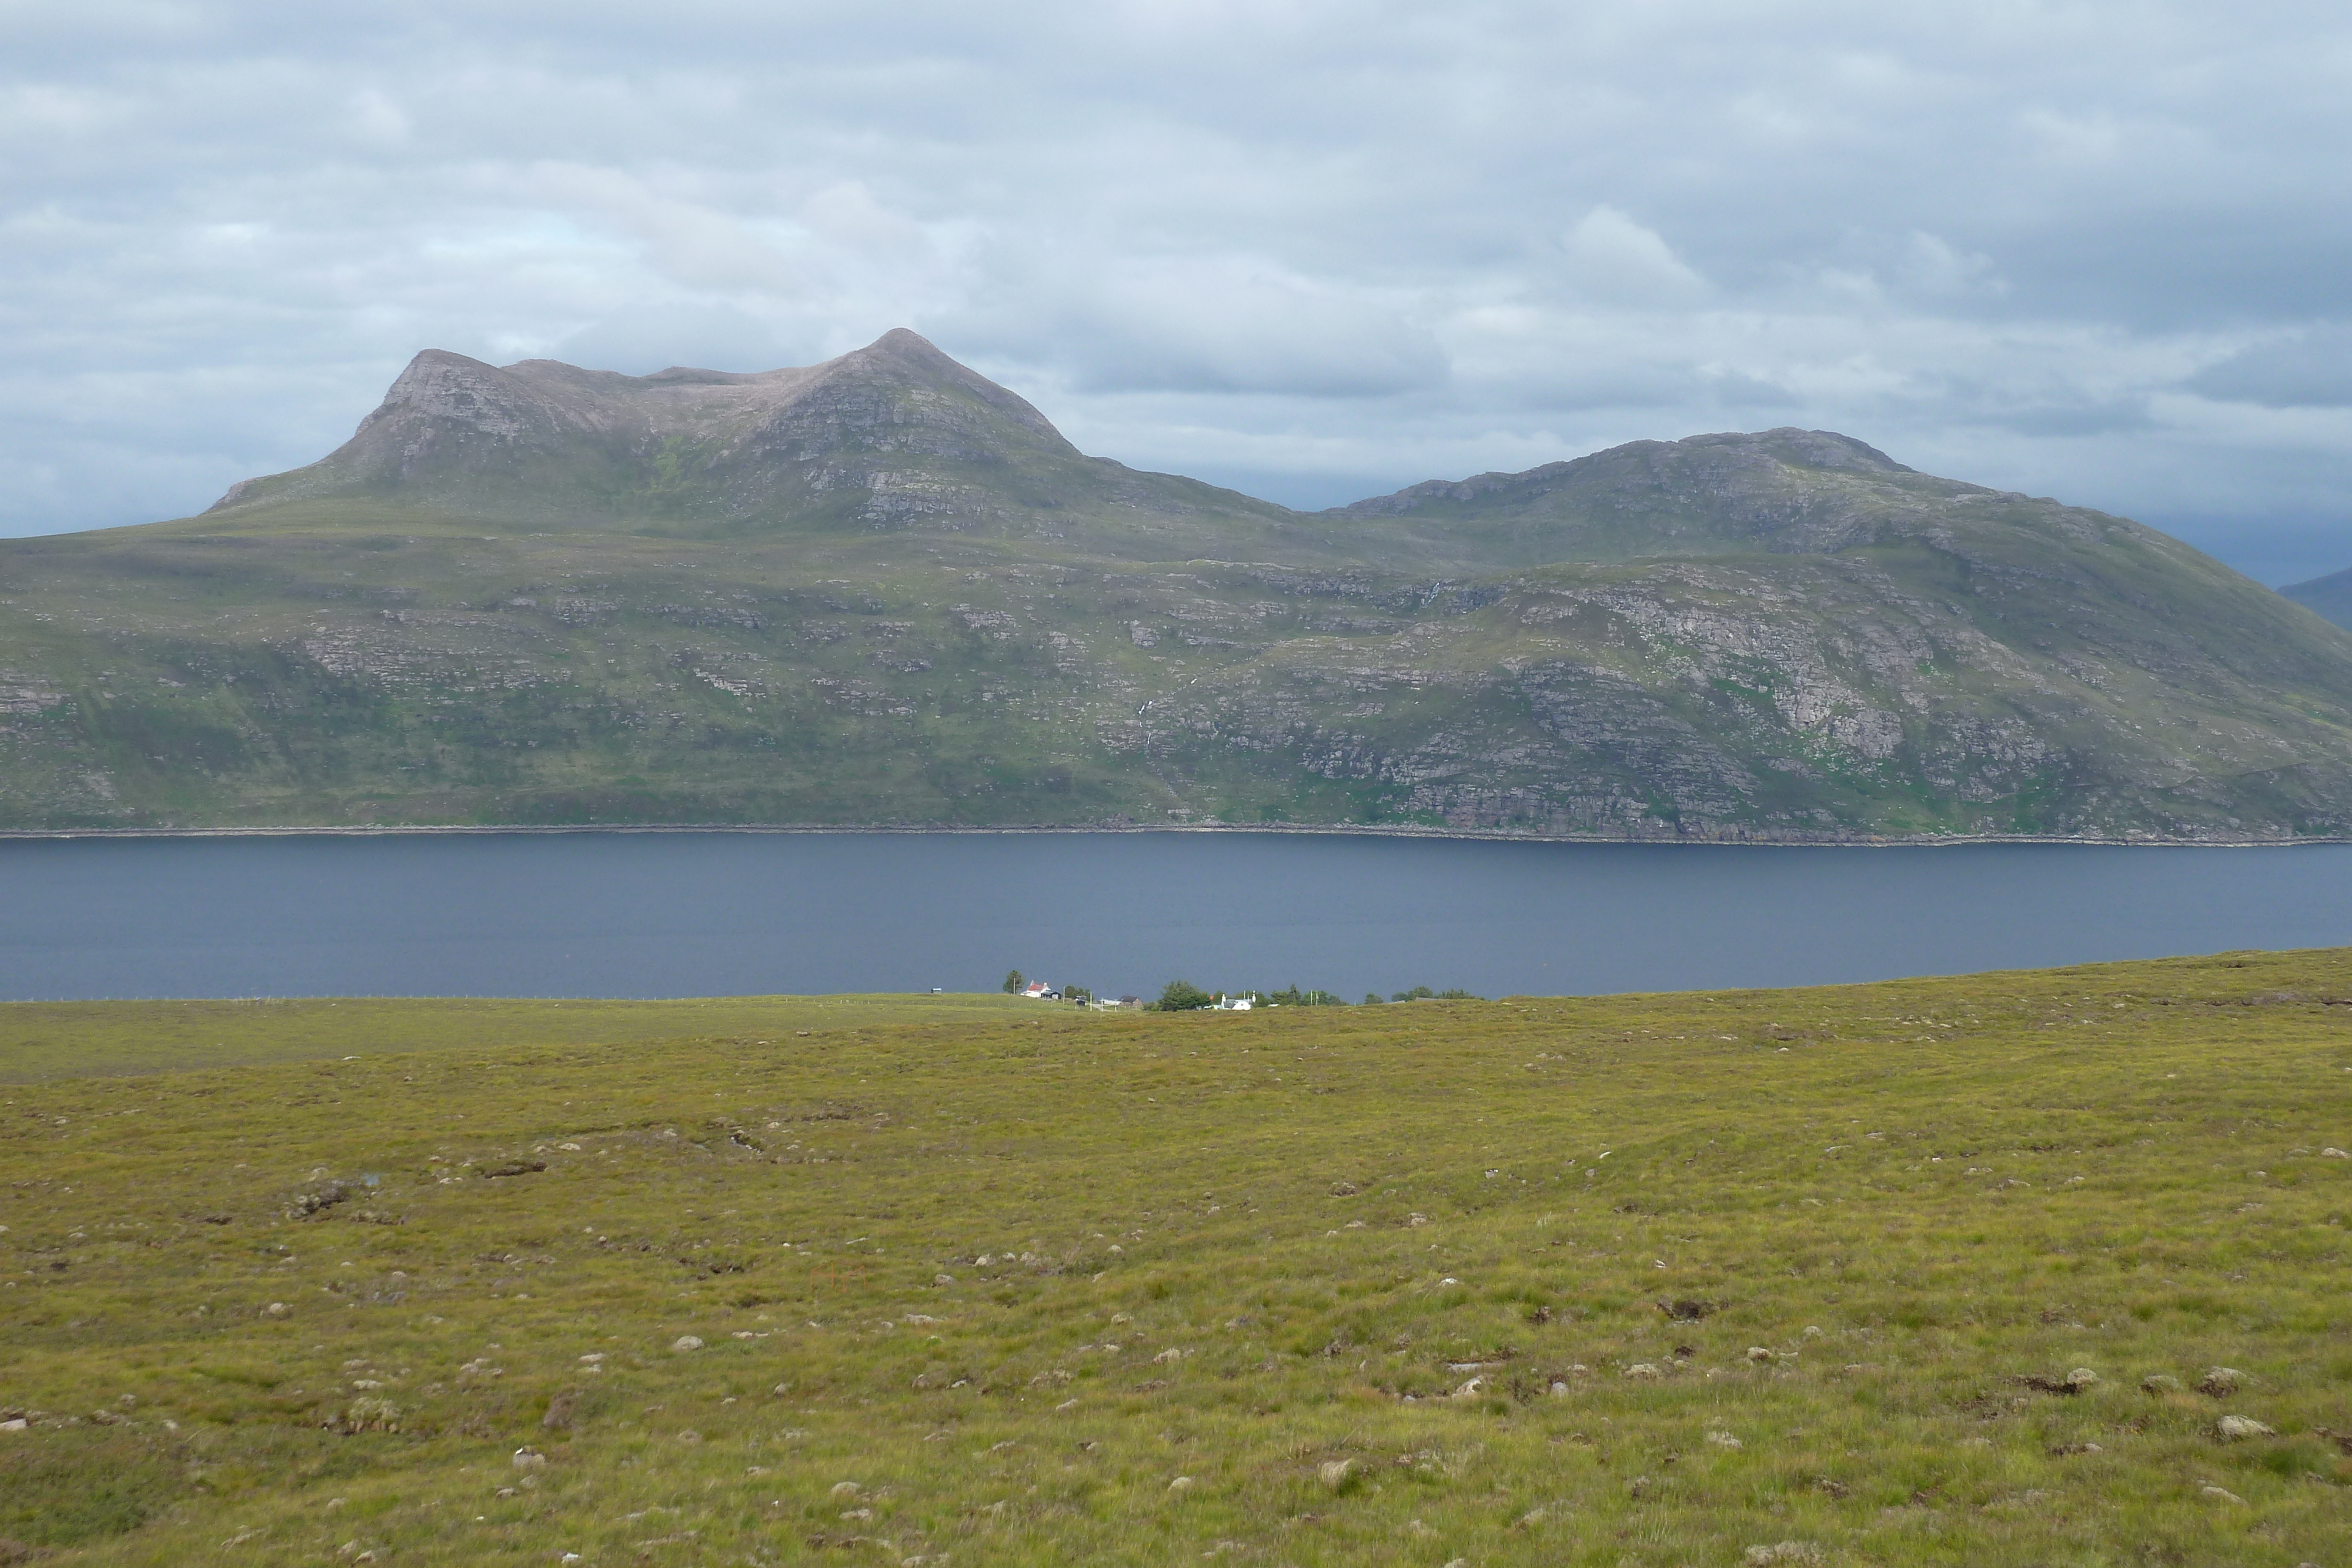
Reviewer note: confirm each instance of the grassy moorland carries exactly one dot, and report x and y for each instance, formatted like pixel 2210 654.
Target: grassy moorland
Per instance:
pixel 1919 1272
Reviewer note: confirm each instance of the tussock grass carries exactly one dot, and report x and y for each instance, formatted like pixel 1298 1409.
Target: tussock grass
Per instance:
pixel 1006 1283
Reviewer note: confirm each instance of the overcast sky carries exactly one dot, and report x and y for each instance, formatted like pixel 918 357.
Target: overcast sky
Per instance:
pixel 2098 250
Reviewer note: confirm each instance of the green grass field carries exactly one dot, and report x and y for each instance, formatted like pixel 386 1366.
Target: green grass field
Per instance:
pixel 1757 1277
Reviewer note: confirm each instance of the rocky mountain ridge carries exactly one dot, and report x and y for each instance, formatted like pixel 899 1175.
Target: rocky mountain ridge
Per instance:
pixel 895 434
pixel 883 590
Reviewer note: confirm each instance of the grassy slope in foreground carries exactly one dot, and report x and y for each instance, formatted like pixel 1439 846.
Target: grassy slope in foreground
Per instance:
pixel 2329 596
pixel 982 1289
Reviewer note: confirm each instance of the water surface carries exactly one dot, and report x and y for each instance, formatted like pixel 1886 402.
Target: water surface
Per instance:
pixel 733 914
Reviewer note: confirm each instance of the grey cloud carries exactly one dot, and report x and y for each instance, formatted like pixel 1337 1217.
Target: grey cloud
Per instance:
pixel 2075 419
pixel 2311 370
pixel 642 338
pixel 1615 260
pixel 1209 323
pixel 1574 384
pixel 1736 390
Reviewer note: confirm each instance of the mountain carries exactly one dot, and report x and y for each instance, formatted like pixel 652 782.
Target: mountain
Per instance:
pixel 883 590
pixel 2329 597
pixel 896 435
pixel 1783 492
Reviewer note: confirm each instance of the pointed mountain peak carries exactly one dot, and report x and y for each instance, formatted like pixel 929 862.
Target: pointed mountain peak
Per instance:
pixel 448 385
pixel 900 353
pixel 896 419
pixel 904 341
pixel 444 361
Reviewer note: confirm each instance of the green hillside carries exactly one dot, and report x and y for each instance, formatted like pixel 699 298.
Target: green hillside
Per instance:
pixel 883 590
pixel 2004 1269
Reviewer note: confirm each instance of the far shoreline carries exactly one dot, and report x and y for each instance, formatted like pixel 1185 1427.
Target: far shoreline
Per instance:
pixel 1342 829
